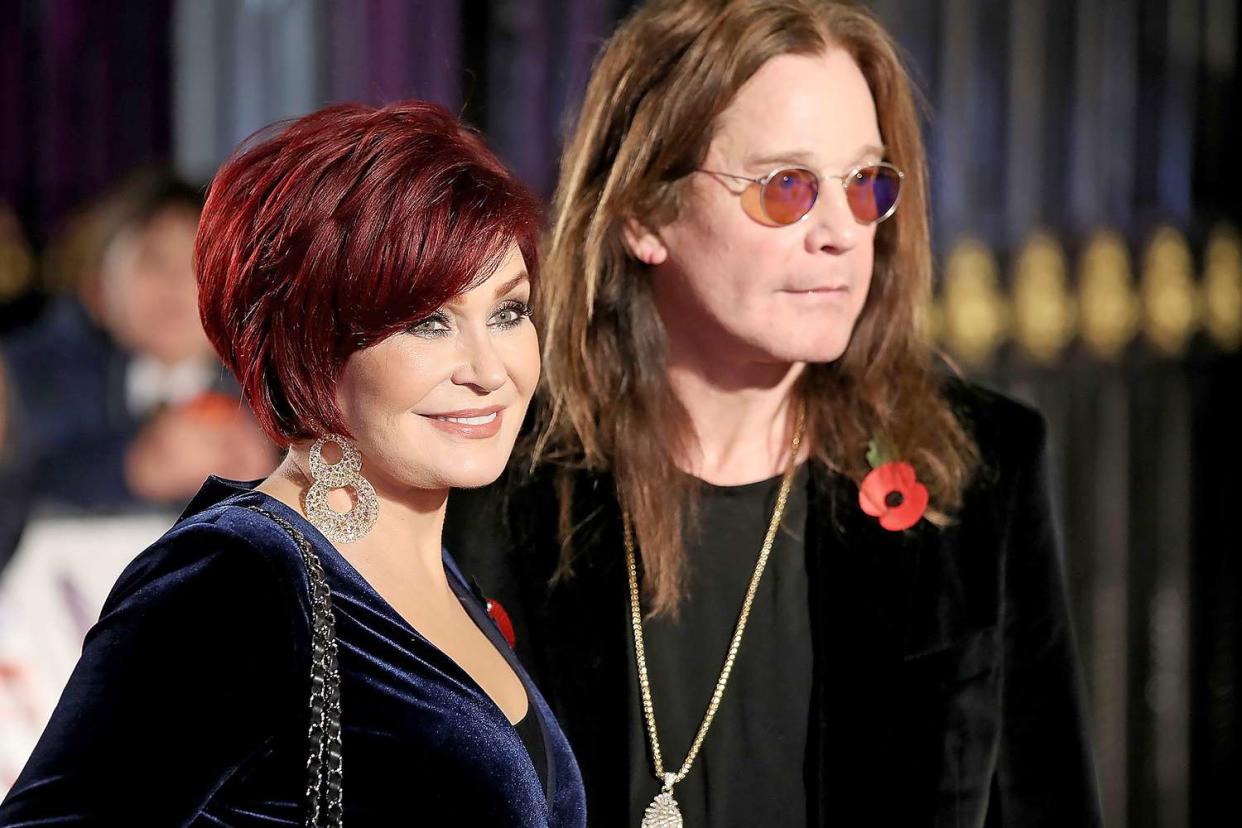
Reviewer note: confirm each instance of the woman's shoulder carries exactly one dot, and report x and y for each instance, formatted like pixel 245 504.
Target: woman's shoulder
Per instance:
pixel 227 542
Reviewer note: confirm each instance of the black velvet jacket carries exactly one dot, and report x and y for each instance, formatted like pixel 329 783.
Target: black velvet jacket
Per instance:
pixel 946 688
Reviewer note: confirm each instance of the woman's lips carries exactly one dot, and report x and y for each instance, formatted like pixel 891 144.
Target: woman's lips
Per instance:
pixel 474 425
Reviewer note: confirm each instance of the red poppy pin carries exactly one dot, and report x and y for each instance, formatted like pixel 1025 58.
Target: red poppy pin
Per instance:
pixel 891 492
pixel 497 613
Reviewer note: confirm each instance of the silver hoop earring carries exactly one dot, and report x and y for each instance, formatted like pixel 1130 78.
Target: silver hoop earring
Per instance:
pixel 340 527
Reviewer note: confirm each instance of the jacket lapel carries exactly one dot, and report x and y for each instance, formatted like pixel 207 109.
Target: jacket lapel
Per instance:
pixel 865 582
pixel 862 581
pixel 581 622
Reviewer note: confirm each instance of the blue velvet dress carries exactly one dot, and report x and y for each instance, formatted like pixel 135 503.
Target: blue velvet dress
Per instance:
pixel 189 705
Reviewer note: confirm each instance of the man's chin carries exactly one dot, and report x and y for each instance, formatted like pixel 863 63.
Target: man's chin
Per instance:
pixel 792 351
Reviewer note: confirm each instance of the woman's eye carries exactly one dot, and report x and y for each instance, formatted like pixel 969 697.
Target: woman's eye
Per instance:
pixel 511 314
pixel 431 326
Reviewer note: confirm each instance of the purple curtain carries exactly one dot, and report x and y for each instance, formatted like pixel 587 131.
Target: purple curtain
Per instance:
pixel 84 98
pixel 539 55
pixel 385 50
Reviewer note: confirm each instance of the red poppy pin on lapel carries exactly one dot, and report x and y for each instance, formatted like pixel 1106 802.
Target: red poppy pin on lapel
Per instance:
pixel 891 492
pixel 497 613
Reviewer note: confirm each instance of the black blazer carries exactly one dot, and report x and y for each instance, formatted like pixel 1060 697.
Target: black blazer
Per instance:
pixel 946 689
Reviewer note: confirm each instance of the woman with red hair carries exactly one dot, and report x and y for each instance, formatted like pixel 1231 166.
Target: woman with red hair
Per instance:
pixel 366 274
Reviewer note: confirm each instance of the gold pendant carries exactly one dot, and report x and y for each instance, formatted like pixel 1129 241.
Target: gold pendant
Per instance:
pixel 663 811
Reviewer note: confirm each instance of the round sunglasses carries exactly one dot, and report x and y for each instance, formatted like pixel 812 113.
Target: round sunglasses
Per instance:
pixel 787 195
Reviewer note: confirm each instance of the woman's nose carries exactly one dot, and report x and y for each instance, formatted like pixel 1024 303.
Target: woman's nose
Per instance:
pixel 481 365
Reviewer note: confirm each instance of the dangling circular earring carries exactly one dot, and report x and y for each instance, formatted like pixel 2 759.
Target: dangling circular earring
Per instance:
pixel 340 527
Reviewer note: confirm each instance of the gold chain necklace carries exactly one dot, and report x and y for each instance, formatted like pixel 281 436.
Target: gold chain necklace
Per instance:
pixel 664 812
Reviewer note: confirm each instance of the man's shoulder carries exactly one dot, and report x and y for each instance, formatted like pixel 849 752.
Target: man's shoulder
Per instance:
pixel 1004 429
pixel 515 522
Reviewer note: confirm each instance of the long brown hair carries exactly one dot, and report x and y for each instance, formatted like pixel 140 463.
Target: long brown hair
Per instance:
pixel 647 120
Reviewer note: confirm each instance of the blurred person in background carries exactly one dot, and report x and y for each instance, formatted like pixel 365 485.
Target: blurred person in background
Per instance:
pixel 18 301
pixel 113 397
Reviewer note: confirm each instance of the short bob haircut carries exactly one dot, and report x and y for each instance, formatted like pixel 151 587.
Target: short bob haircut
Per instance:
pixel 334 231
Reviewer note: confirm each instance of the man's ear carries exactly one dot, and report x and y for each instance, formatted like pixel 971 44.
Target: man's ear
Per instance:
pixel 643 243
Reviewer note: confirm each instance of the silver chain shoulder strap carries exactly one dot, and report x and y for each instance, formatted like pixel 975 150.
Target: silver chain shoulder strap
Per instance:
pixel 323 761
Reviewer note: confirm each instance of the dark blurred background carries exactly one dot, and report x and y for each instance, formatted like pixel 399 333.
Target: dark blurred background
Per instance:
pixel 1086 169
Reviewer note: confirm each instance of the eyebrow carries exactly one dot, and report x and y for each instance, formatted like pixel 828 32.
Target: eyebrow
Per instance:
pixel 502 290
pixel 806 157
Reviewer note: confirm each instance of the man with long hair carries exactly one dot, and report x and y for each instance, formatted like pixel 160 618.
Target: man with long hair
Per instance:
pixel 774 565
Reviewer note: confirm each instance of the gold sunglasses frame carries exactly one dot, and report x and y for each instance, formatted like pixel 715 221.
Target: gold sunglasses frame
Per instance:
pixel 844 178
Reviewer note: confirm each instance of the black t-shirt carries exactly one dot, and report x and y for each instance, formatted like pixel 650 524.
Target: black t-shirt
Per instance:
pixel 750 769
pixel 529 732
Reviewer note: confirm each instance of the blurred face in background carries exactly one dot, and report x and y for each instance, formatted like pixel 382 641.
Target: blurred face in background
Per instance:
pixel 148 297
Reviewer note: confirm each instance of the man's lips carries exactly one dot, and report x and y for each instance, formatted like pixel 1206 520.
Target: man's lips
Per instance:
pixel 816 289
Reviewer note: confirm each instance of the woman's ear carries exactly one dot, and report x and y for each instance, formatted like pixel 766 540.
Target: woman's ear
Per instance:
pixel 643 244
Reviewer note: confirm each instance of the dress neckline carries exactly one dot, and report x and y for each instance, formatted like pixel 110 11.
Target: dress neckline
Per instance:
pixel 216 491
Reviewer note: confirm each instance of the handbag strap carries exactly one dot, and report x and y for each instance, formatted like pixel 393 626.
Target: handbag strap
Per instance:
pixel 323 761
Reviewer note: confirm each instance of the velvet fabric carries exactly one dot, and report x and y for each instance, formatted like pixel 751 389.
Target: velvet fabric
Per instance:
pixel 946 690
pixel 189 705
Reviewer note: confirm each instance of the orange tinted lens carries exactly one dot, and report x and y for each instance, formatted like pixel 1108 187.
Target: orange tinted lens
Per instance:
pixel 872 192
pixel 789 195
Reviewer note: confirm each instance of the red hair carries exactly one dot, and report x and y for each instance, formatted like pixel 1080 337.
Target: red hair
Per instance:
pixel 345 227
